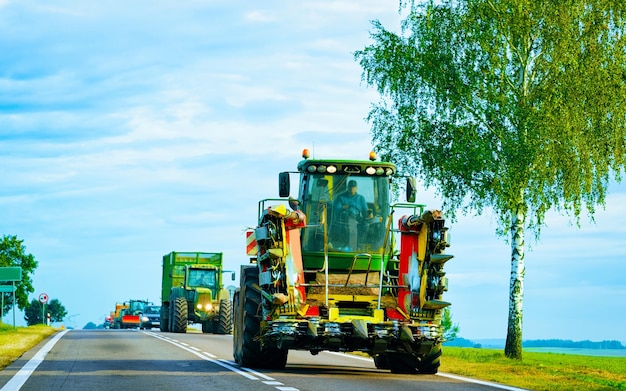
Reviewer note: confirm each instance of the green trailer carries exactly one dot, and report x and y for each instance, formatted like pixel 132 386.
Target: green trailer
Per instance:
pixel 193 292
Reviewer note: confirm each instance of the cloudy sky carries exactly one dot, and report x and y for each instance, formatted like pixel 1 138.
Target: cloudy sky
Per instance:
pixel 132 129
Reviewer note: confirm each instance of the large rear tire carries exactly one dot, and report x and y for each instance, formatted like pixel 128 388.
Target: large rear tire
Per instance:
pixel 431 362
pixel 224 318
pixel 381 361
pixel 251 353
pixel 237 328
pixel 180 315
pixel 402 362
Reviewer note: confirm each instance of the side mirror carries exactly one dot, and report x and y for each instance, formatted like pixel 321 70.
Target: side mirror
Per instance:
pixel 284 186
pixel 411 189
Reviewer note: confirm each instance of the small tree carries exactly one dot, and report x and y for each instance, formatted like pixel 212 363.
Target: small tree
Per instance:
pixel 13 253
pixel 35 313
pixel 450 330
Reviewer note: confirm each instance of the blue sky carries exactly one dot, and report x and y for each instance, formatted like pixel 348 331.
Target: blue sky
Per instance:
pixel 129 130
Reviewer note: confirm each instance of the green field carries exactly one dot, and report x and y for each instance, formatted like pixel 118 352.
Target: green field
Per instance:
pixel 537 371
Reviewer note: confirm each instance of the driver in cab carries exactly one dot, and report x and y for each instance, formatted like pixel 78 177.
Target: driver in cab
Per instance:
pixel 350 203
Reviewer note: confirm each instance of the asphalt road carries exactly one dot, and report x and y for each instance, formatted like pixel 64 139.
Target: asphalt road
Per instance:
pixel 151 360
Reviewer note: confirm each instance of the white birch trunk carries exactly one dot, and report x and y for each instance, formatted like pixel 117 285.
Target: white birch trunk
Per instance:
pixel 513 347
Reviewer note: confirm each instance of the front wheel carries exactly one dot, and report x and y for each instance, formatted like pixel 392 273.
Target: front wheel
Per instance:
pixel 250 353
pixel 180 315
pixel 224 318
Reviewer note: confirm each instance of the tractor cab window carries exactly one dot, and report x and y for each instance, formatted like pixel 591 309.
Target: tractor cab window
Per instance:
pixel 202 278
pixel 351 209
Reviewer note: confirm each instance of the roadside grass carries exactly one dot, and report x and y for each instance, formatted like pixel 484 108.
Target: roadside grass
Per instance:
pixel 537 371
pixel 16 341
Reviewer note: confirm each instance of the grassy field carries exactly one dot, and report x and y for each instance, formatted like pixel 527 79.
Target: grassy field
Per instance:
pixel 537 371
pixel 15 341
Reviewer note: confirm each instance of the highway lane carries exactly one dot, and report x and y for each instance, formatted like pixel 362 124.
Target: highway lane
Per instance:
pixel 151 360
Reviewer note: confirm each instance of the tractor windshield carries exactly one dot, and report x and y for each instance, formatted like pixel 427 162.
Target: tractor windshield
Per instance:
pixel 356 209
pixel 202 278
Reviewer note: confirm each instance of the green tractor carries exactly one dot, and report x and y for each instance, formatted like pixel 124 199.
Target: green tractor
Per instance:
pixel 193 292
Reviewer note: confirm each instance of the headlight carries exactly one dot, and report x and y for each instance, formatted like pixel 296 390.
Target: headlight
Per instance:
pixel 144 319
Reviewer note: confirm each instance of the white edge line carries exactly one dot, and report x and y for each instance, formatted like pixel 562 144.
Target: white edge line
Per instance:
pixel 18 380
pixel 202 356
pixel 481 382
pixel 448 375
pixel 259 374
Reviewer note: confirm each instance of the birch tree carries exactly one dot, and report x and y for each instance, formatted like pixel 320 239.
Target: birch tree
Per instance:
pixel 514 105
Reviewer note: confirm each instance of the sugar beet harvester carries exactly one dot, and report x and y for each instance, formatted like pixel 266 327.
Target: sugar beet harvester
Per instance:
pixel 325 274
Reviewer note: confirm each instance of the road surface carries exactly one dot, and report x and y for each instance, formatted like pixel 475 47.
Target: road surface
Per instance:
pixel 151 360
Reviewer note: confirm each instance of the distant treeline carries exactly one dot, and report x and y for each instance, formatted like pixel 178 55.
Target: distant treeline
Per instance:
pixel 463 343
pixel 566 343
pixel 540 343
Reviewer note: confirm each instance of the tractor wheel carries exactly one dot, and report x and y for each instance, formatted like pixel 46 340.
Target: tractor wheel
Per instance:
pixel 402 363
pixel 180 315
pixel 431 362
pixel 381 361
pixel 252 353
pixel 224 318
pixel 237 329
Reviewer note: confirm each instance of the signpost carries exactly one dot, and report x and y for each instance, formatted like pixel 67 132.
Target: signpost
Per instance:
pixel 43 299
pixel 9 274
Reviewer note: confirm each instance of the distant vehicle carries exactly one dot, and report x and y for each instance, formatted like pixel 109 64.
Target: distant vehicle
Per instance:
pixel 108 321
pixel 193 292
pixel 151 317
pixel 128 314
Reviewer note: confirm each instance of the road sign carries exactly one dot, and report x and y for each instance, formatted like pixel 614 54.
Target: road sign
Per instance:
pixel 7 288
pixel 10 273
pixel 43 298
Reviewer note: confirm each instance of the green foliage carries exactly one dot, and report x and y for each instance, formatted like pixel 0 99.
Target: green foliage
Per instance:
pixel 450 330
pixel 505 103
pixel 35 313
pixel 514 105
pixel 13 253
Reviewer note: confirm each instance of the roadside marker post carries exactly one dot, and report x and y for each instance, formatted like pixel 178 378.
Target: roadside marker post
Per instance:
pixel 9 274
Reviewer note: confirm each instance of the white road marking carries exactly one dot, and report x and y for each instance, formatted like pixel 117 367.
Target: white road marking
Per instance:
pixel 448 375
pixel 18 380
pixel 248 373
pixel 481 382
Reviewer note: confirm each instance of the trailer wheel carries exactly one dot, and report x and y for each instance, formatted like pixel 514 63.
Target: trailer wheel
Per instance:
pixel 180 315
pixel 431 362
pixel 207 326
pixel 224 318
pixel 252 353
pixel 164 320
